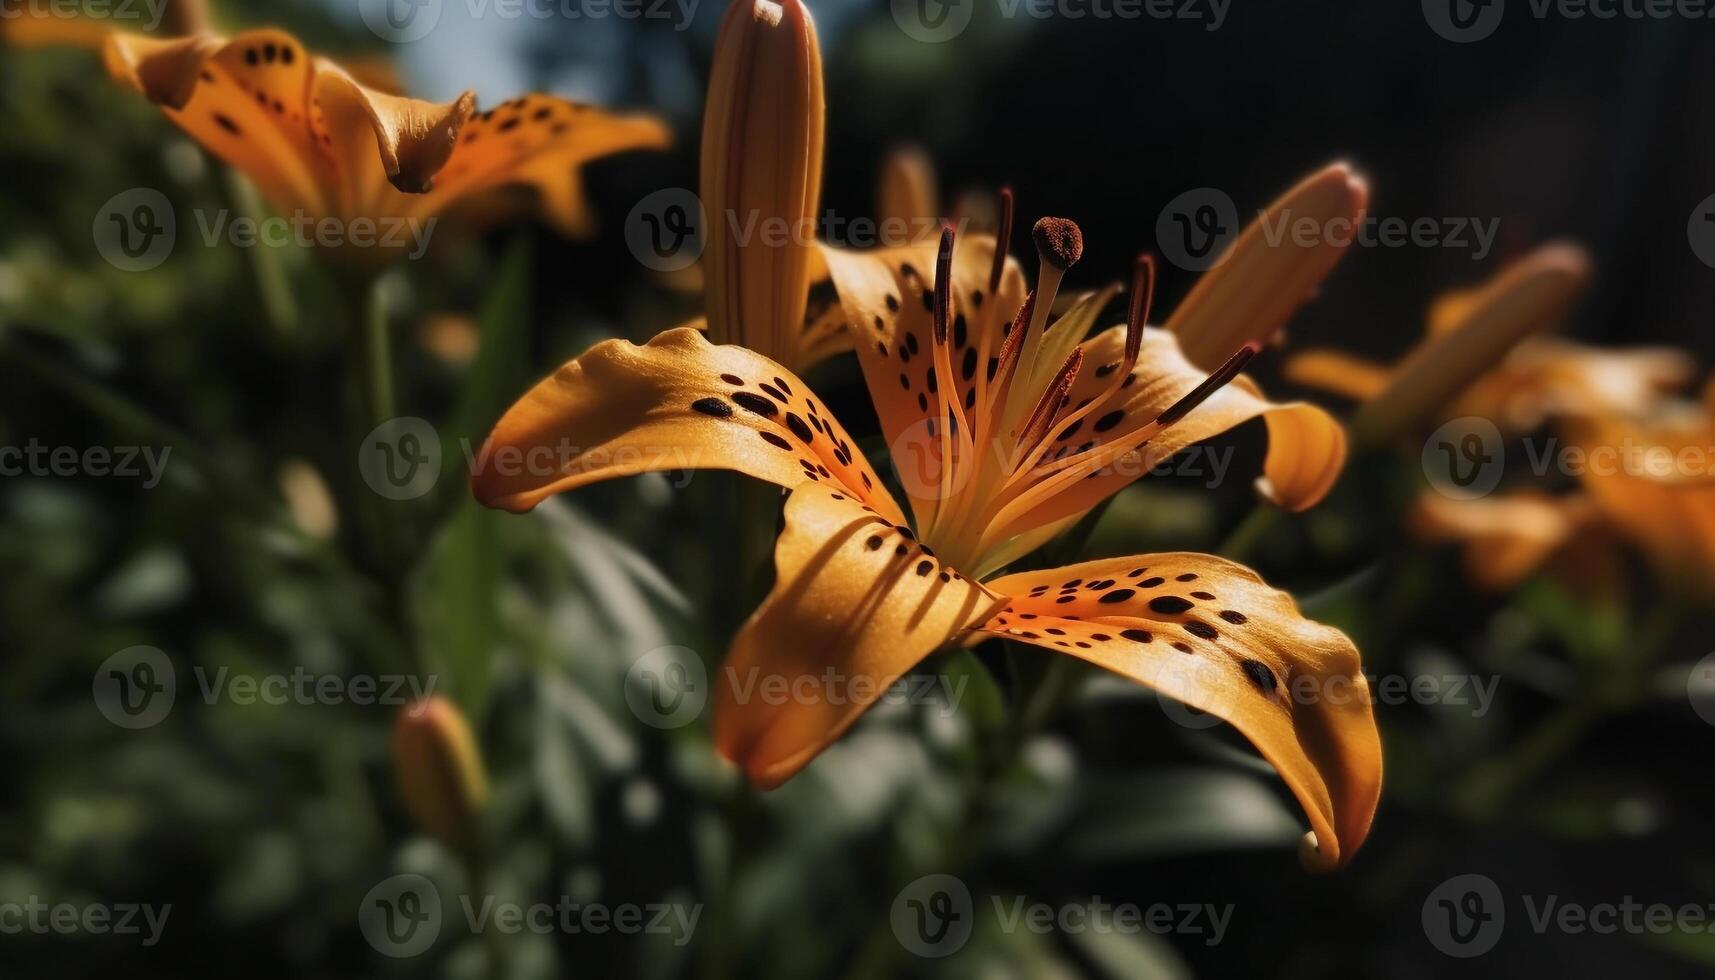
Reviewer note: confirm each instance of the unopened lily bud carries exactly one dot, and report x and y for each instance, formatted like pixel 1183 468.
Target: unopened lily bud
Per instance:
pixel 440 770
pixel 762 175
pixel 907 194
pixel 1533 295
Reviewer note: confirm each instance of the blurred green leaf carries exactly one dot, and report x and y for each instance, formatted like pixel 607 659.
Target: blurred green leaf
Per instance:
pixel 455 601
pixel 1123 956
pixel 499 368
pixel 1175 812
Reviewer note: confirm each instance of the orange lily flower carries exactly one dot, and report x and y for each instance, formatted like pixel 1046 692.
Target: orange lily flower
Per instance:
pixel 1656 485
pixel 1453 372
pixel 318 143
pixel 958 358
pixel 1508 537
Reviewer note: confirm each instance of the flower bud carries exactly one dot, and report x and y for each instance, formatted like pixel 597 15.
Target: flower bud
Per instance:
pixel 440 771
pixel 762 175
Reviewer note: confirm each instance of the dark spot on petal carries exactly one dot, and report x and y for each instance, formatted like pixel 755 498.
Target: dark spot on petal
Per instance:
pixel 1235 617
pixel 1140 636
pixel 774 439
pixel 1260 675
pixel 755 403
pixel 1169 604
pixel 799 427
pixel 874 542
pixel 732 379
pixel 712 406
pixel 1199 629
pixel 1109 420
pixel 1117 595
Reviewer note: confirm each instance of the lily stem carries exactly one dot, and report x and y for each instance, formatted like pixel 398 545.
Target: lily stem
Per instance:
pixel 1250 532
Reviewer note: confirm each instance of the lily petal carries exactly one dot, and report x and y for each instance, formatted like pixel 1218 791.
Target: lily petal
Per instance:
pixel 1506 539
pixel 1307 447
pixel 888 299
pixel 857 603
pixel 1214 636
pixel 1652 480
pixel 1268 272
pixel 678 402
pixel 1337 372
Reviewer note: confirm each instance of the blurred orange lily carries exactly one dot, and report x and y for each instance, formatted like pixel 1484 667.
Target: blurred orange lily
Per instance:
pixel 1454 371
pixel 1508 537
pixel 958 357
pixel 319 144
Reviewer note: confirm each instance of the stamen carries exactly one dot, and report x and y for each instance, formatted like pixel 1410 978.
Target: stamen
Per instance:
pixel 1213 383
pixel 1053 397
pixel 1059 242
pixel 944 284
pixel 1142 297
pixel 1002 240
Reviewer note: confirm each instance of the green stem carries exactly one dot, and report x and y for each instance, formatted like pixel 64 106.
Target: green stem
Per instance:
pixel 1250 532
pixel 272 284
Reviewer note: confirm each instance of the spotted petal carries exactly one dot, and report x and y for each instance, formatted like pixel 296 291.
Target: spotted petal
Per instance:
pixel 678 402
pixel 888 298
pixel 1213 635
pixel 1087 461
pixel 857 603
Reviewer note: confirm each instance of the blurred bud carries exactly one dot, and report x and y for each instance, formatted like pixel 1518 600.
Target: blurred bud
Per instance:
pixel 762 175
pixel 1470 334
pixel 440 771
pixel 907 193
pixel 308 499
pixel 451 337
pixel 185 17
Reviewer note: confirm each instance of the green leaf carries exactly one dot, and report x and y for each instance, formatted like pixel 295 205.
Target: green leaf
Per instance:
pixel 456 604
pixel 1177 812
pixel 1123 956
pixel 500 367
